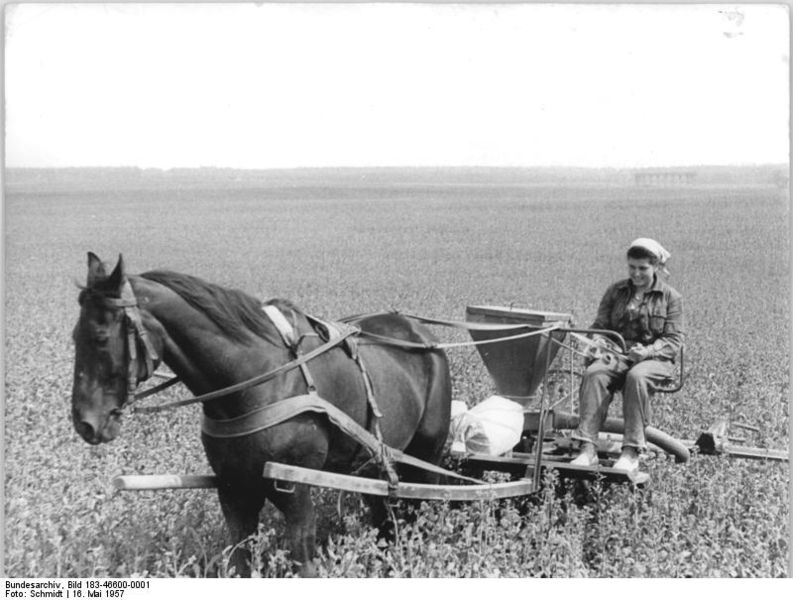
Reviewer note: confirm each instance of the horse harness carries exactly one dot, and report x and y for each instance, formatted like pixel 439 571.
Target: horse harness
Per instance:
pixel 314 402
pixel 143 355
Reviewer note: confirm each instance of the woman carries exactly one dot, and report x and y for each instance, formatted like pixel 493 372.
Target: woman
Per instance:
pixel 648 314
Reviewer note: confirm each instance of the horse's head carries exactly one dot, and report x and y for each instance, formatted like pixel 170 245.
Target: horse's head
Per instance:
pixel 110 357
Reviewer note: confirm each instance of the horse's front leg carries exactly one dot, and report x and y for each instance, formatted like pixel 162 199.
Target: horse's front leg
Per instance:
pixel 298 509
pixel 241 511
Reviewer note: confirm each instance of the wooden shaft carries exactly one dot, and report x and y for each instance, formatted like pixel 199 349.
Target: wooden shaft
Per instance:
pixel 164 482
pixel 378 487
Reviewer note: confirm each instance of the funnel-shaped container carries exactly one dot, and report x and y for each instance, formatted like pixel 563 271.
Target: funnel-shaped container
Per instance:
pixel 517 366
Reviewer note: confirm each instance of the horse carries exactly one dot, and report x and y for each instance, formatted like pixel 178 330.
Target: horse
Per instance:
pixel 213 337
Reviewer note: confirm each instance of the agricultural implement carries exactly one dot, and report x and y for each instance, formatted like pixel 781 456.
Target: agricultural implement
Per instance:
pixel 532 359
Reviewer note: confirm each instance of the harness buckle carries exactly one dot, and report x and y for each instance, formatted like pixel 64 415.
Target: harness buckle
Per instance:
pixel 390 473
pixel 283 488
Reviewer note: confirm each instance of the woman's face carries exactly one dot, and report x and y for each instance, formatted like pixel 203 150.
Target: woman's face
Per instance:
pixel 641 271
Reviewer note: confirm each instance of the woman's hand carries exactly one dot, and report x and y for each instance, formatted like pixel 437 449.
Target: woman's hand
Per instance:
pixel 638 353
pixel 595 349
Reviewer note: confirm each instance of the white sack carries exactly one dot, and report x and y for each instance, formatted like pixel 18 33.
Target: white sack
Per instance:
pixel 492 427
pixel 458 408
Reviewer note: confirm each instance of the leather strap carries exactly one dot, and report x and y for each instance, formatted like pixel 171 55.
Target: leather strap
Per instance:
pixel 388 341
pixel 291 341
pixel 283 326
pixel 466 325
pixel 136 336
pixel 155 390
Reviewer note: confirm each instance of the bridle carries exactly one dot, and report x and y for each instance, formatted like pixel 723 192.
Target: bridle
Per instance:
pixel 142 357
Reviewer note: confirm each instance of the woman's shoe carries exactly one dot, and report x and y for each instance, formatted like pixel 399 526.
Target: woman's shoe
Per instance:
pixel 628 461
pixel 585 459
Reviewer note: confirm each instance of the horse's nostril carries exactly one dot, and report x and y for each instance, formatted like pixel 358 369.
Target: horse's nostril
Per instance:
pixel 86 431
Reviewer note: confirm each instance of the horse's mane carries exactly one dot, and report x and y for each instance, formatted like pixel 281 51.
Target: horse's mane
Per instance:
pixel 236 313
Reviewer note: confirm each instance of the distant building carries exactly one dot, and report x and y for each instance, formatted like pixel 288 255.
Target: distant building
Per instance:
pixel 664 177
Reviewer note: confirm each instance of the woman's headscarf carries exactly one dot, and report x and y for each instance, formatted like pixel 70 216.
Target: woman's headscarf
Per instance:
pixel 655 249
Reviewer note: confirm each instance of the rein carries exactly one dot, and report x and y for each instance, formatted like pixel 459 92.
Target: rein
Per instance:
pixel 465 325
pixel 237 387
pixel 302 359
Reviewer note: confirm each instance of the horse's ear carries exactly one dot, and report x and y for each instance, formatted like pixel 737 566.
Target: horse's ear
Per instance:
pixel 96 270
pixel 118 276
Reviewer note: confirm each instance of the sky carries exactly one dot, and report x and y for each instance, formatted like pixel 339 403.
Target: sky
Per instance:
pixel 302 85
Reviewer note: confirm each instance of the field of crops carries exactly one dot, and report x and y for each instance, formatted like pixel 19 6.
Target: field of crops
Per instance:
pixel 430 250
